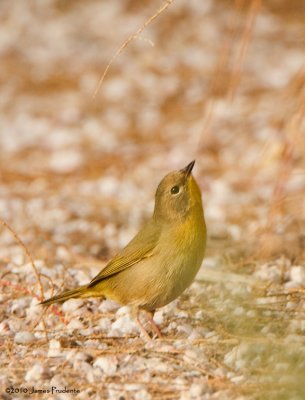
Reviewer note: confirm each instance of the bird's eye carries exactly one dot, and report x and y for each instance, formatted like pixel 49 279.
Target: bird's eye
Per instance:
pixel 175 190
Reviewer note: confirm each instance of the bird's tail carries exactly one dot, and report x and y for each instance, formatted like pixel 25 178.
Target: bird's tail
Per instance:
pixel 80 292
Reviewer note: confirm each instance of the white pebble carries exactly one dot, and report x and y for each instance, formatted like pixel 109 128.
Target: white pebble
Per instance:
pixel 70 355
pixel 268 272
pixel 54 348
pixel 108 365
pixel 18 259
pixel 282 367
pixel 82 277
pixel 104 324
pixel 235 231
pixel 108 185
pixel 72 305
pixel 159 317
pixel 154 364
pixel 95 343
pixel 86 332
pixel 133 387
pixel 195 335
pixel 108 306
pixel 123 311
pixel 196 390
pixel 124 324
pixel 80 356
pixel 239 311
pixel 35 373
pixel 235 357
pixel 292 285
pixel 75 324
pixel 64 161
pixel 33 311
pixel 24 337
pixel 16 325
pixel 297 274
pixel 84 367
pixel 63 254
pixel 166 348
pixel 142 395
pixel 238 379
pixel 195 355
pixel 185 329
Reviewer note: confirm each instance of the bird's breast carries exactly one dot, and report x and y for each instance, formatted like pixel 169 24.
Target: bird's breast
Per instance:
pixel 181 255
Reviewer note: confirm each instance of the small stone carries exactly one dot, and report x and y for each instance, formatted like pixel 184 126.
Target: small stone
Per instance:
pixel 159 317
pixel 196 390
pixel 166 348
pixel 195 355
pixel 36 373
pixel 82 277
pixel 104 324
pixel 238 379
pixel 239 311
pixel 75 324
pixel 195 335
pixel 124 325
pixel 269 272
pixel 84 368
pixel 81 356
pixel 70 355
pixel 24 337
pixel 123 311
pixel 108 365
pixel 65 161
pixel 108 306
pixel 142 395
pixel 86 332
pixel 63 254
pixel 297 274
pixel 54 348
pixel 72 305
pixel 234 358
pixel 185 329
pixel 33 311
pixel 18 259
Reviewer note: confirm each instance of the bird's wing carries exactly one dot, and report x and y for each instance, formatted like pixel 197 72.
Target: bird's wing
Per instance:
pixel 143 245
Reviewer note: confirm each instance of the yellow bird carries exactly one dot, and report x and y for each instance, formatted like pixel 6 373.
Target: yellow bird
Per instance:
pixel 162 260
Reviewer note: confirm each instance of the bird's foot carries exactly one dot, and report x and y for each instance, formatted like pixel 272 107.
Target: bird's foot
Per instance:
pixel 153 325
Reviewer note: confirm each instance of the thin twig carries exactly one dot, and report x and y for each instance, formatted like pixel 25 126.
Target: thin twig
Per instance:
pixel 6 225
pixel 129 40
pixel 244 44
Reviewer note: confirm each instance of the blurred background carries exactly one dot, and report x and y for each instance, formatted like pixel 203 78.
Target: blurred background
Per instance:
pixel 219 81
pixel 222 82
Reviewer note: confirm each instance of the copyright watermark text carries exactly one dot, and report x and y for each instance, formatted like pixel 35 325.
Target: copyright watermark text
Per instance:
pixel 33 390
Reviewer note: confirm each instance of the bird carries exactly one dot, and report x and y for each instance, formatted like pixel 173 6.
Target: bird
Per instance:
pixel 163 258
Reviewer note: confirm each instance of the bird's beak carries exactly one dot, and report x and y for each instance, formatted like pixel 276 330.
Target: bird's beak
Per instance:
pixel 188 169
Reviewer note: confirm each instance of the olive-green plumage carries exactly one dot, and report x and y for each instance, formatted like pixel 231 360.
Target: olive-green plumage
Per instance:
pixel 162 260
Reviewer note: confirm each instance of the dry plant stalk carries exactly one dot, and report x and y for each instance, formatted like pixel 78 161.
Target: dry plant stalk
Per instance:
pixel 223 62
pixel 38 275
pixel 293 133
pixel 244 44
pixel 128 41
pixel 27 253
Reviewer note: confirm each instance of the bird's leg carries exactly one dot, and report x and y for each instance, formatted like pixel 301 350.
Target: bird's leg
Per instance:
pixel 155 328
pixel 136 313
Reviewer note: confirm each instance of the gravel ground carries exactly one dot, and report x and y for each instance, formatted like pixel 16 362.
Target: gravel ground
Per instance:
pixel 222 82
